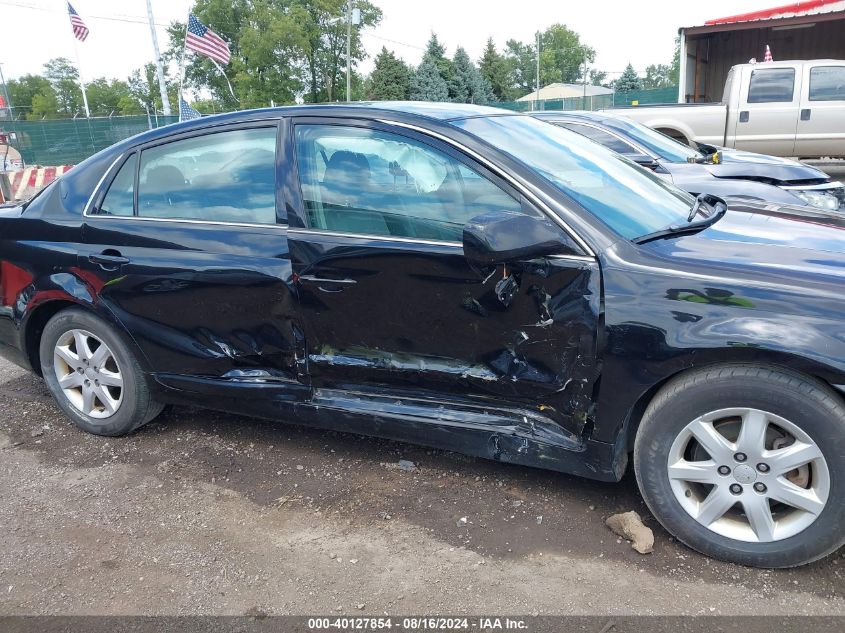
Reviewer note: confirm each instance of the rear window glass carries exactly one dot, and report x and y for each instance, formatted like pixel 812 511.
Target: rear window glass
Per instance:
pixel 601 137
pixel 772 85
pixel 827 83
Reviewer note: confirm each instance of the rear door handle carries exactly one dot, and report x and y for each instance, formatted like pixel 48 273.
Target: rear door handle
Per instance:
pixel 108 260
pixel 805 114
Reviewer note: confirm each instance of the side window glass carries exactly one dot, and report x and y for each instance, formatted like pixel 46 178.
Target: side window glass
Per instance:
pixel 601 137
pixel 772 85
pixel 219 177
pixel 120 198
pixel 827 83
pixel 355 180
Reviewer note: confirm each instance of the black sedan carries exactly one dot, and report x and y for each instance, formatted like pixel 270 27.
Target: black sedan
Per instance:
pixel 712 170
pixel 460 277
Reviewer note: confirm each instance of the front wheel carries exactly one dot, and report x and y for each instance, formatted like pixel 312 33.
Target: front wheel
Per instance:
pixel 93 376
pixel 746 464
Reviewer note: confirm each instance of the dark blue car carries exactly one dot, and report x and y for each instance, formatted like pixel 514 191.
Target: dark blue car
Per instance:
pixel 456 276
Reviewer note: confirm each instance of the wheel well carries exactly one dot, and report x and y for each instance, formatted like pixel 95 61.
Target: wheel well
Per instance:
pixel 675 134
pixel 35 328
pixel 635 416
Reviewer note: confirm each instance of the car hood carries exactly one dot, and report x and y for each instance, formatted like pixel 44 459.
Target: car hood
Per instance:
pixel 748 165
pixel 697 178
pixel 788 242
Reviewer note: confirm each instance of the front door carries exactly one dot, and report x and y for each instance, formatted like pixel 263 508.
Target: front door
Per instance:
pixel 186 248
pixel 390 303
pixel 768 109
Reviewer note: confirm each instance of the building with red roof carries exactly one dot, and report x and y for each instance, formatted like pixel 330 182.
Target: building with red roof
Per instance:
pixel 814 29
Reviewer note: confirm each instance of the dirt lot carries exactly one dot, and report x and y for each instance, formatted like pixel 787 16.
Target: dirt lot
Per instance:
pixel 206 513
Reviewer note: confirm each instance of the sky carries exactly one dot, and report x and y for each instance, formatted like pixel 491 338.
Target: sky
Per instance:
pixel 621 31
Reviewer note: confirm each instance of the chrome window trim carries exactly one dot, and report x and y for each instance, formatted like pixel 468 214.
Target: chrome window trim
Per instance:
pixel 188 221
pixel 504 176
pixel 87 207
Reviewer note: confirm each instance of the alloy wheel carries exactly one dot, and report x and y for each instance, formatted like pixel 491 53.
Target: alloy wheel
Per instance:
pixel 748 475
pixel 88 374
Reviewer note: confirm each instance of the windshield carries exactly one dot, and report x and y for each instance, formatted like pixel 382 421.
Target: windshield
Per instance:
pixel 630 200
pixel 656 142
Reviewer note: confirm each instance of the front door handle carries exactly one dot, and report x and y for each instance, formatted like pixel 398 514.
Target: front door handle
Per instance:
pixel 323 280
pixel 805 114
pixel 108 260
pixel 743 116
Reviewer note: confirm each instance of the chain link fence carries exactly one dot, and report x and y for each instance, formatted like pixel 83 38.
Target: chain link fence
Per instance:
pixel 69 141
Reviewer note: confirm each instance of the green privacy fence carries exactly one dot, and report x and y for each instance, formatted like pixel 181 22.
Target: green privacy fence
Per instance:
pixel 597 102
pixel 69 141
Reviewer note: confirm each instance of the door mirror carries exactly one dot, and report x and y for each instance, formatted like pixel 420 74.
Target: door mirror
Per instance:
pixel 643 160
pixel 504 236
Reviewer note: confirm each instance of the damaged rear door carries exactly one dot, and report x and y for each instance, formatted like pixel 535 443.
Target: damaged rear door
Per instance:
pixel 186 246
pixel 390 305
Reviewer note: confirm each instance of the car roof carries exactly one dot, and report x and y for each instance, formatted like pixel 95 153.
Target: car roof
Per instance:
pixel 403 110
pixel 573 115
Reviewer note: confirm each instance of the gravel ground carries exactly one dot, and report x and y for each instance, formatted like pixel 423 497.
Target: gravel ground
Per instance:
pixel 206 513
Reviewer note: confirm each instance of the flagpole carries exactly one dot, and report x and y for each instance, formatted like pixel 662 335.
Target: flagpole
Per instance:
pixel 81 80
pixel 182 61
pixel 165 102
pixel 217 66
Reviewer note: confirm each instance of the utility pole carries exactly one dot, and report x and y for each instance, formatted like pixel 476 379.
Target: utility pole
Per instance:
pixel 165 103
pixel 6 94
pixel 348 50
pixel 537 78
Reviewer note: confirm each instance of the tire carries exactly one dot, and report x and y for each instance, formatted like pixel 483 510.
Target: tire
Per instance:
pixel 113 410
pixel 770 405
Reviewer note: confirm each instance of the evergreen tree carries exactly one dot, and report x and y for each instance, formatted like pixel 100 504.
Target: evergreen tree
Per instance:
pixel 390 79
pixel 628 80
pixel 494 68
pixel 427 84
pixel 435 52
pixel 463 80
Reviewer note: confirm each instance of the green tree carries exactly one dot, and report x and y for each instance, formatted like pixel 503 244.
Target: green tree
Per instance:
pixel 675 68
pixel 598 78
pixel 427 84
pixel 435 52
pixel 657 76
pixel 266 39
pixel 390 79
pixel 563 56
pixel 628 80
pixel 64 78
pixel 44 106
pixel 110 97
pixel 495 69
pixel 24 89
pixel 144 91
pixel 522 63
pixel 467 85
pixel 324 25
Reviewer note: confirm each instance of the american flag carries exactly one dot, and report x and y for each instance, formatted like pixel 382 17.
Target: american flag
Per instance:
pixel 186 112
pixel 768 56
pixel 80 31
pixel 206 42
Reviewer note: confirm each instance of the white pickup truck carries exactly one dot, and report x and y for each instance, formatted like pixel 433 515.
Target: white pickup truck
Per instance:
pixel 791 108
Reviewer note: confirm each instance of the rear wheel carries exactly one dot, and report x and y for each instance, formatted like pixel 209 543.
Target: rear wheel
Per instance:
pixel 93 376
pixel 746 464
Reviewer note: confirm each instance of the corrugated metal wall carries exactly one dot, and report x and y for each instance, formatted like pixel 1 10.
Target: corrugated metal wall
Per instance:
pixel 719 51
